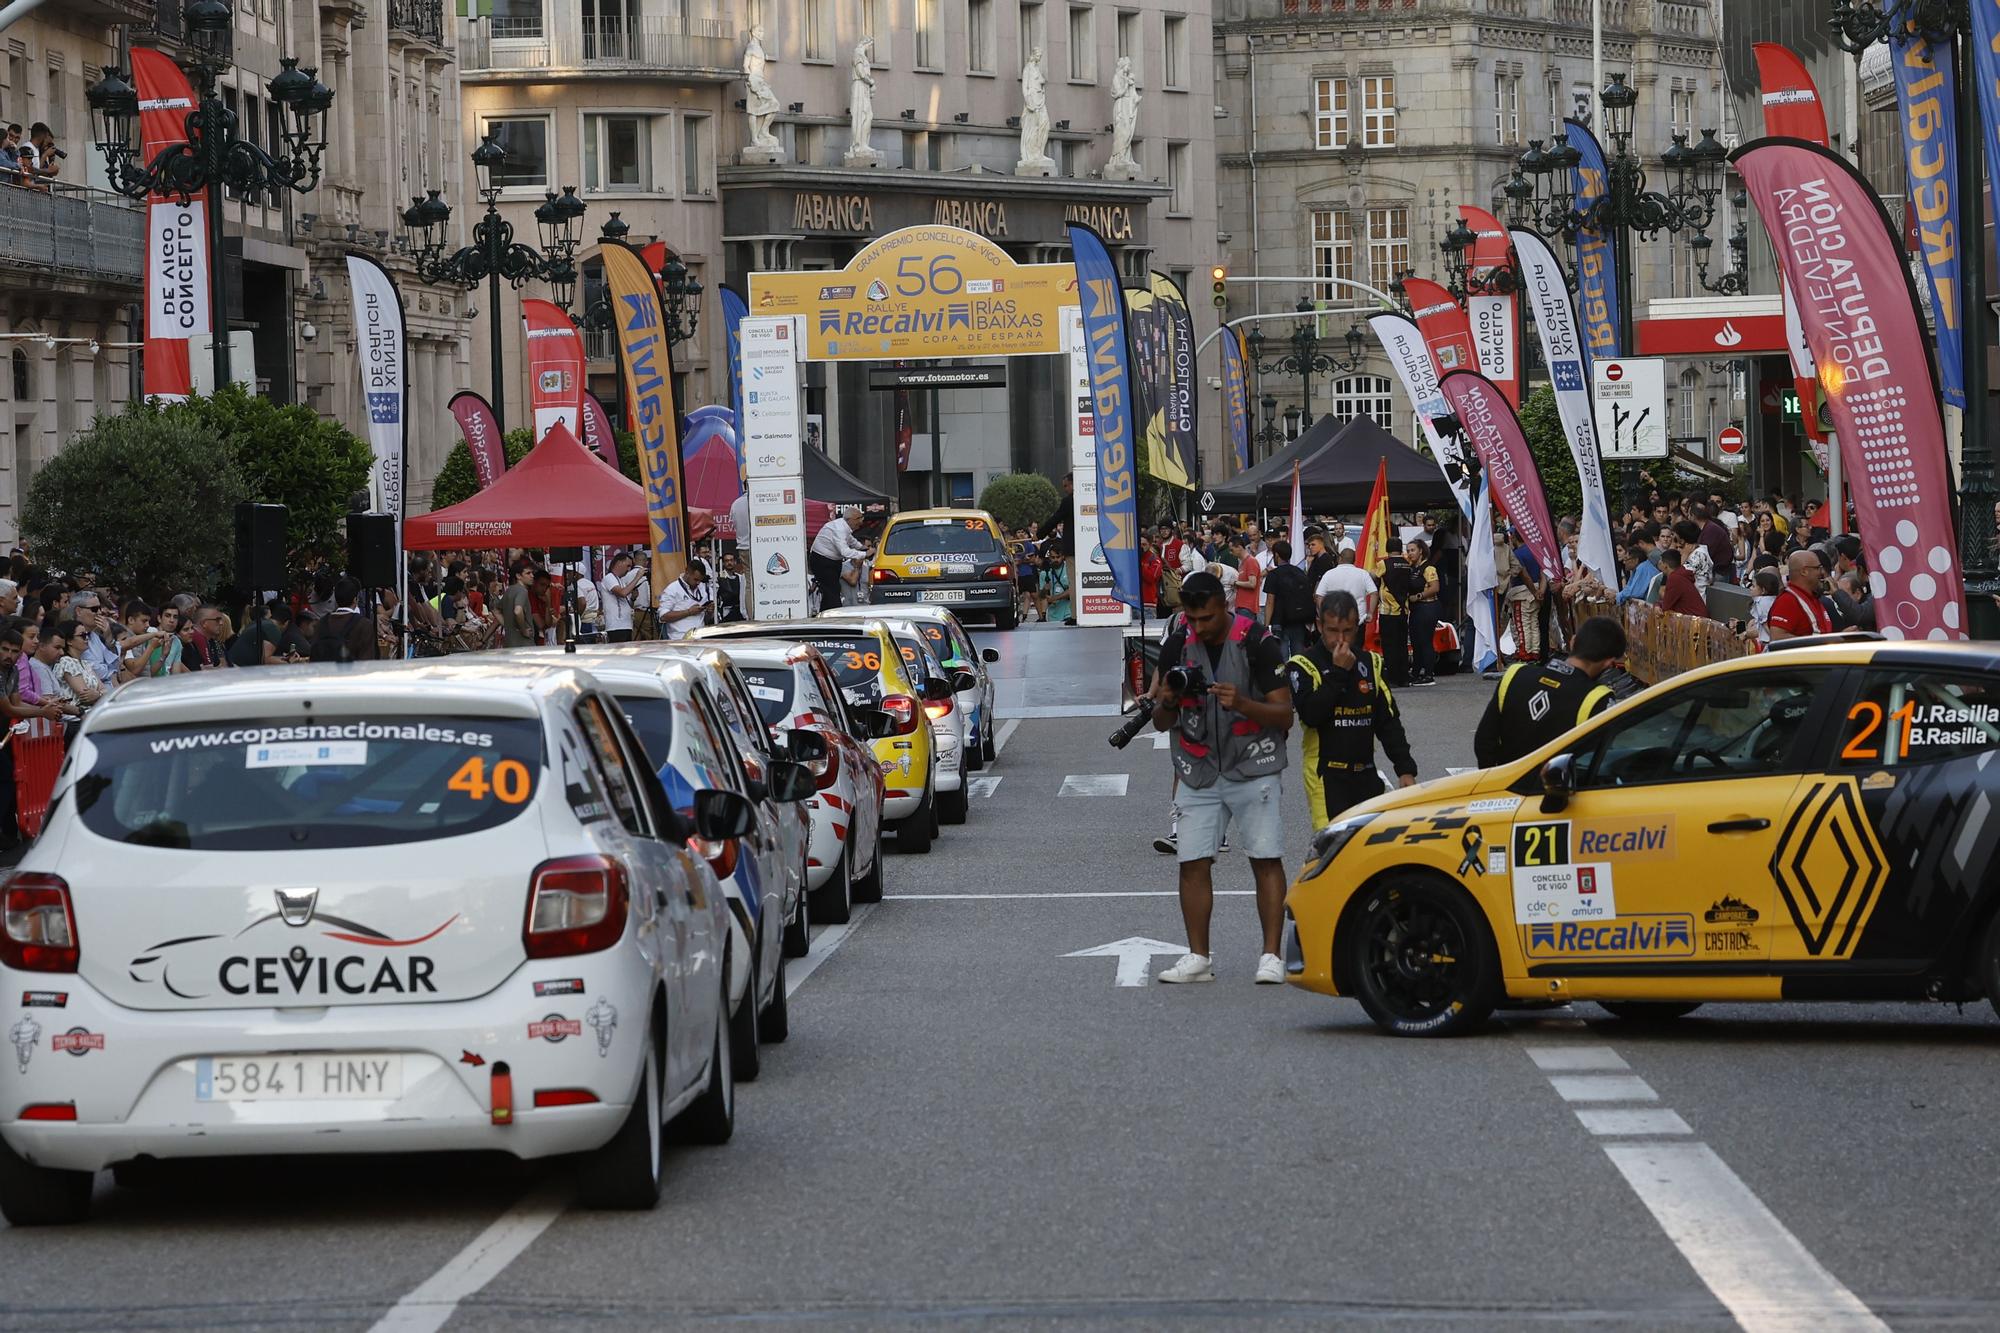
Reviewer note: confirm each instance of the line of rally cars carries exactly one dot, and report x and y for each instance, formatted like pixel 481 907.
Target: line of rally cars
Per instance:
pixel 537 901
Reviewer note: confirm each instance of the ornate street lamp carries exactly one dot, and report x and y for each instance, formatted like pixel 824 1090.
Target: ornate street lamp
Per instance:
pixel 495 254
pixel 680 293
pixel 1272 435
pixel 1306 355
pixel 213 159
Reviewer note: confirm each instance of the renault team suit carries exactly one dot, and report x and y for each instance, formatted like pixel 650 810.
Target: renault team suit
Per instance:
pixel 1221 758
pixel 1345 712
pixel 1536 702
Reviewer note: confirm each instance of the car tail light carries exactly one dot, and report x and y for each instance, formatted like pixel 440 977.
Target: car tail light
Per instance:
pixel 902 710
pixel 576 904
pixel 563 1097
pixel 826 771
pixel 884 576
pixel 720 854
pixel 1000 572
pixel 38 933
pixel 49 1111
pixel 937 708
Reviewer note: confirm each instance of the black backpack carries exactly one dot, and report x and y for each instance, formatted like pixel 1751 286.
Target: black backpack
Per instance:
pixel 1291 595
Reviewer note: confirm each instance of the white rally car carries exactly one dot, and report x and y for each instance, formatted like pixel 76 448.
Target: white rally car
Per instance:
pixel 361 909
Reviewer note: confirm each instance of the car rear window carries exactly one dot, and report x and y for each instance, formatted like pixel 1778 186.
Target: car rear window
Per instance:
pixel 771 687
pixel 942 536
pixel 271 784
pixel 652 721
pixel 912 647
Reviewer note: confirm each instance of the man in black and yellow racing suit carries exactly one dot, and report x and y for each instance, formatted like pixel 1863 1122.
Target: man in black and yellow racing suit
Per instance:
pixel 1345 704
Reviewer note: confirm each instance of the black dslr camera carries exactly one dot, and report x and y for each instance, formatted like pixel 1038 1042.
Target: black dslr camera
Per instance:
pixel 1132 726
pixel 1186 683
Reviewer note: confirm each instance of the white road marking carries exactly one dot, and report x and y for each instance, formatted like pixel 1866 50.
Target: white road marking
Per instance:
pixel 982 788
pixel 1086 893
pixel 1619 1120
pixel 1162 739
pixel 1574 1059
pixel 1603 1088
pixel 431 1305
pixel 1005 734
pixel 1768 1280
pixel 1094 784
pixel 1134 955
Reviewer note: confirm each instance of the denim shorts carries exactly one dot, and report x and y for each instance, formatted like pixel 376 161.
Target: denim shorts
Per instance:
pixel 1249 808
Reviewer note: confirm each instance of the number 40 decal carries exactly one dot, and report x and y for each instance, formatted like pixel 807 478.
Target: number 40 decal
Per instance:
pixel 509 780
pixel 1869 713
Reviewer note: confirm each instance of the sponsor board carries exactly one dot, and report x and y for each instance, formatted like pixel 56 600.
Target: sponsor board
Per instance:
pixel 1654 935
pixel 1550 886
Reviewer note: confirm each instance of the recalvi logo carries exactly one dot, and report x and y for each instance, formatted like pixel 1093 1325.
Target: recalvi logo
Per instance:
pixel 1618 840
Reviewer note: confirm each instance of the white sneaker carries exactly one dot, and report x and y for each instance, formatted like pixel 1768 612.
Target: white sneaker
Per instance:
pixel 1223 846
pixel 1270 970
pixel 1191 967
pixel 1168 845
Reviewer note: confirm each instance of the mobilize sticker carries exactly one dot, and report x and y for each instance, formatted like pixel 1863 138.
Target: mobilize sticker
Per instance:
pixel 1549 886
pixel 44 999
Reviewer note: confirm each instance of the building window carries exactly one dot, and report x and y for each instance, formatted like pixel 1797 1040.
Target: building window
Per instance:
pixel 1680 106
pixel 1082 44
pixel 1332 250
pixel 517 20
pixel 1176 50
pixel 526 139
pixel 617 153
pixel 1506 108
pixel 1071 158
pixel 819 30
pixel 1330 113
pixel 915 149
pixel 1388 244
pixel 1363 395
pixel 1378 111
pixel 1178 182
pixel 927 34
pixel 875 24
pixel 23 386
pixel 979 36
pixel 697 158
pixel 1131 38
pixel 1555 104
pixel 1034 31
pixel 1690 385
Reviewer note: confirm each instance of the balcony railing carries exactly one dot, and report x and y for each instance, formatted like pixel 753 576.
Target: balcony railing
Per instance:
pixel 74 233
pixel 609 46
pixel 422 19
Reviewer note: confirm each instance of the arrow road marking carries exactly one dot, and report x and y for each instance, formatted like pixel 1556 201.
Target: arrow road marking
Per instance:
pixel 981 788
pixel 1134 955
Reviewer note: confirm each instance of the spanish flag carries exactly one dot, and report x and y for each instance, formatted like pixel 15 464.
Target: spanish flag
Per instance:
pixel 1374 552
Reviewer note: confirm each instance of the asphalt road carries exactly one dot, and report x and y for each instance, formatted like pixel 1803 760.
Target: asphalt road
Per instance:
pixel 969 1127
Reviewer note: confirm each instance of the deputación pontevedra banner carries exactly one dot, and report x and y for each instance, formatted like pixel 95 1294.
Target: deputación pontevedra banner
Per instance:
pixel 481 430
pixel 1505 460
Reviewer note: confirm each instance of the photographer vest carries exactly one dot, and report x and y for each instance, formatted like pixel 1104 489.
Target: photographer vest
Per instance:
pixel 1210 741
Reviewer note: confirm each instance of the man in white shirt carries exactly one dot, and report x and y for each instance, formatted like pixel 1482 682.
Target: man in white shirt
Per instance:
pixel 684 604
pixel 619 582
pixel 586 608
pixel 834 545
pixel 1350 578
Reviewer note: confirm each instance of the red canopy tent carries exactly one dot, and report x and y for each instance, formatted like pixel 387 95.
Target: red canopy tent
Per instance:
pixel 561 494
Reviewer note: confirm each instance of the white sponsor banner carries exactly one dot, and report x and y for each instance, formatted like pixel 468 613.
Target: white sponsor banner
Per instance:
pixel 1547 295
pixel 379 342
pixel 777 544
pixel 1492 320
pixel 1410 357
pixel 1092 599
pixel 773 427
pixel 1482 581
pixel 177 304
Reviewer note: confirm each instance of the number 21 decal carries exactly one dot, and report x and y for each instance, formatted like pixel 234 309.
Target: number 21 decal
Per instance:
pixel 1541 845
pixel 1869 714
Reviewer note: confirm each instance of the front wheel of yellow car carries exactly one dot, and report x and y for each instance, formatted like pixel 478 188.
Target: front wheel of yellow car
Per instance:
pixel 1647 1011
pixel 1421 959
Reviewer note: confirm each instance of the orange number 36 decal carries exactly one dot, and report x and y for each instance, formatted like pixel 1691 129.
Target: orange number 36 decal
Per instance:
pixel 508 782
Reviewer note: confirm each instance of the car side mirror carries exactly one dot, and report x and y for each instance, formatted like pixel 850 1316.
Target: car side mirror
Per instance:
pixel 719 814
pixel 874 723
pixel 989 654
pixel 1558 783
pixel 937 690
pixel 964 680
pixel 791 782
pixel 806 747
pixel 757 789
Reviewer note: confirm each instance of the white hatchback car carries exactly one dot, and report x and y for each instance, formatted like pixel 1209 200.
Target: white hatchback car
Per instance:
pixel 361 909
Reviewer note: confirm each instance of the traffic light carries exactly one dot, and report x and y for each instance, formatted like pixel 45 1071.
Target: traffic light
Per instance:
pixel 1219 284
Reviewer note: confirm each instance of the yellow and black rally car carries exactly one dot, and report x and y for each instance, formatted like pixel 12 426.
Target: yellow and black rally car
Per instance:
pixel 1813 824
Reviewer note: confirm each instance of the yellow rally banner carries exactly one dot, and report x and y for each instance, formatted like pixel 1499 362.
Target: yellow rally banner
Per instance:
pixel 649 396
pixel 924 292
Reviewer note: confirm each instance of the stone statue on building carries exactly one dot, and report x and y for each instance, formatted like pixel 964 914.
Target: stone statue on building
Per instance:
pixel 1124 120
pixel 861 108
pixel 761 105
pixel 1035 159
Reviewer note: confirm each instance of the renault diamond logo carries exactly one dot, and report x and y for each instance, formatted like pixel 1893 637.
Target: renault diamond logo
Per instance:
pixel 296 905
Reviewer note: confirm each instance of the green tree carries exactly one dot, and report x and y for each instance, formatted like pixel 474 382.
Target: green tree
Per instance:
pixel 1020 498
pixel 292 456
pixel 1543 425
pixel 147 499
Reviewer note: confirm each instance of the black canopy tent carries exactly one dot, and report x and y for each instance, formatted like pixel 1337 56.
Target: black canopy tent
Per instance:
pixel 827 481
pixel 1231 495
pixel 1337 474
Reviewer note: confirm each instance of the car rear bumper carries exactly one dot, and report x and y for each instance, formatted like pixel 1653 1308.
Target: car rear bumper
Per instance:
pixel 137 1093
pixel 828 843
pixel 973 594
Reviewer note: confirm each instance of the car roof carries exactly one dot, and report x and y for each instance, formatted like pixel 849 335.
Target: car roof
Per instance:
pixel 917 515
pixel 618 661
pixel 490 684
pixel 766 652
pixel 914 611
pixel 788 629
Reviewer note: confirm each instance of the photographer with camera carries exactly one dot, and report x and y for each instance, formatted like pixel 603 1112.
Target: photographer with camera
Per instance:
pixel 1345 704
pixel 1221 691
